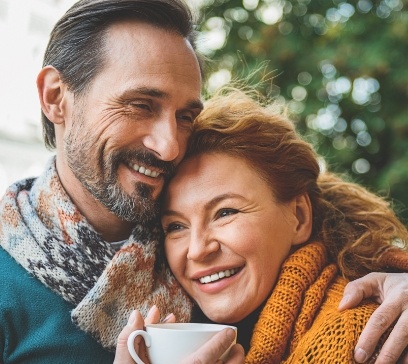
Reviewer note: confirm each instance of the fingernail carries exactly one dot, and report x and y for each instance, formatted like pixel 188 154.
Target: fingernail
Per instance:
pixel 132 318
pixel 154 307
pixel 231 334
pixel 360 355
pixel 170 315
pixel 344 300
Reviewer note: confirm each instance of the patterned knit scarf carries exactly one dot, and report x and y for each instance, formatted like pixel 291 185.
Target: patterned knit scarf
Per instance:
pixel 44 232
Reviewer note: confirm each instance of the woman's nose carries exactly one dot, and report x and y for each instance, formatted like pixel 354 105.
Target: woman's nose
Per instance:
pixel 201 246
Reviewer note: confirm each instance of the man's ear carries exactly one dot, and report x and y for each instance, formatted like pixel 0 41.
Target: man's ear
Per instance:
pixel 304 215
pixel 51 91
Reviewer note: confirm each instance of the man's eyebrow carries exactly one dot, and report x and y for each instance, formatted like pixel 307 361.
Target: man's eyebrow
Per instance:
pixel 153 92
pixel 147 91
pixel 195 104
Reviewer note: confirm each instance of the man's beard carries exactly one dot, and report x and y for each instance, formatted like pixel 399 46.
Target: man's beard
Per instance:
pixel 101 179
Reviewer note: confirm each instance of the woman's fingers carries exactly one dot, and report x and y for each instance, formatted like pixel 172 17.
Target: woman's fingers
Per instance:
pixel 135 322
pixel 213 349
pixel 153 316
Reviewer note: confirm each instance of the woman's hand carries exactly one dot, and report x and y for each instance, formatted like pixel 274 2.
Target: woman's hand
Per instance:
pixel 122 355
pixel 391 291
pixel 136 322
pixel 215 347
pixel 207 354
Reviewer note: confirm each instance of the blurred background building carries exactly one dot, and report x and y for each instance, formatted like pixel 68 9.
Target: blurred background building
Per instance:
pixel 24 29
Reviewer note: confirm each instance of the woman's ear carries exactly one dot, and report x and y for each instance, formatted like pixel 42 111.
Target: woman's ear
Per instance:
pixel 51 92
pixel 304 215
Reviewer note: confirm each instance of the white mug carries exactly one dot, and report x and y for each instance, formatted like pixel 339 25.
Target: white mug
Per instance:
pixel 170 343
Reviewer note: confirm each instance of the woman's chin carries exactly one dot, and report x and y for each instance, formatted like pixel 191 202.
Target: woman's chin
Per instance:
pixel 223 317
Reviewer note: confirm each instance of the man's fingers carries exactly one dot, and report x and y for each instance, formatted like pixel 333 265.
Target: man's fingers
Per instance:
pixel 391 291
pixel 378 323
pixel 212 350
pixel 404 358
pixel 358 290
pixel 395 345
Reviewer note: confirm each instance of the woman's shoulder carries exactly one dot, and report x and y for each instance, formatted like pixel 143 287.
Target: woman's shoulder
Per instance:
pixel 333 335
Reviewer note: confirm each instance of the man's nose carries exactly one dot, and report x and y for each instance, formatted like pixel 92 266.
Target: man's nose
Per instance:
pixel 162 138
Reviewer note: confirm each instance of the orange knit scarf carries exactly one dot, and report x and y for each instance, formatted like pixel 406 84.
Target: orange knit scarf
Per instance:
pixel 300 322
pixel 291 308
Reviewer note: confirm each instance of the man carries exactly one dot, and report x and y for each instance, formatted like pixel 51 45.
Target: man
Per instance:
pixel 119 90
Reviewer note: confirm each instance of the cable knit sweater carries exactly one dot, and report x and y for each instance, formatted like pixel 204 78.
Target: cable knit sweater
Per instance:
pixel 300 322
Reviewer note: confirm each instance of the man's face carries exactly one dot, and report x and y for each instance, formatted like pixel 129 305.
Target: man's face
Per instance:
pixel 130 128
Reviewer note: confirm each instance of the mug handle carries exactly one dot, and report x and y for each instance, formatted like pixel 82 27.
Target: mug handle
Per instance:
pixel 131 342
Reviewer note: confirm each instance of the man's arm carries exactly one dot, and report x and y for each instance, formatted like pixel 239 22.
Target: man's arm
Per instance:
pixel 391 291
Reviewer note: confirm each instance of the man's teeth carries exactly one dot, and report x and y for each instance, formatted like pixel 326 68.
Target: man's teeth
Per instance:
pixel 216 276
pixel 145 171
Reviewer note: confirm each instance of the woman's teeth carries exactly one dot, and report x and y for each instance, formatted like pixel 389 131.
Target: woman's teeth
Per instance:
pixel 146 171
pixel 216 276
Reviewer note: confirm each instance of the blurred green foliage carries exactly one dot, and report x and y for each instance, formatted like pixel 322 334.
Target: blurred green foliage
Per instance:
pixel 342 67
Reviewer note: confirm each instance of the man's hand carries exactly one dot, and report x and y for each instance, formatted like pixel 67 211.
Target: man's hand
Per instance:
pixel 391 291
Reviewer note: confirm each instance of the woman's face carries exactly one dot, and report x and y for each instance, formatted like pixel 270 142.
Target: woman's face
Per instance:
pixel 226 236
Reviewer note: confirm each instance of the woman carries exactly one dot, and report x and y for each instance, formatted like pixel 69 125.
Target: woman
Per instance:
pixel 259 238
pixel 248 196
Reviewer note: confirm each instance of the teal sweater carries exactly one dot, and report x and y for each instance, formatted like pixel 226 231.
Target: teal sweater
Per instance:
pixel 35 323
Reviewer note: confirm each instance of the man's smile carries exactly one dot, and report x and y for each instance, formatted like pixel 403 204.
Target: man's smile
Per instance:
pixel 144 170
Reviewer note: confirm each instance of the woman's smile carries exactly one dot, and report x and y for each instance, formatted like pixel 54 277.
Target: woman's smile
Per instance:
pixel 219 275
pixel 225 235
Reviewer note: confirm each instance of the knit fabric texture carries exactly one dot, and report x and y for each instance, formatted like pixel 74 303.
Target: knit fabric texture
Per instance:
pixel 300 322
pixel 43 231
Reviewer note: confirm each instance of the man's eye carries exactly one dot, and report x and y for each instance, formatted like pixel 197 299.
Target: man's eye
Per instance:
pixel 226 212
pixel 141 105
pixel 187 117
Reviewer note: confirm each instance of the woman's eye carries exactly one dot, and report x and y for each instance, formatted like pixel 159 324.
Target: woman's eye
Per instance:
pixel 226 212
pixel 173 227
